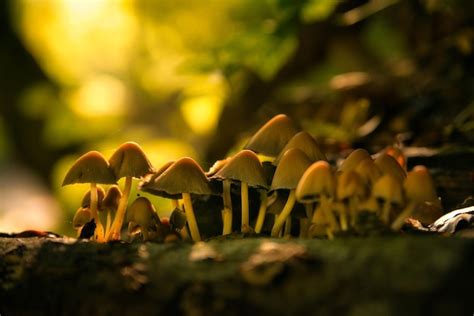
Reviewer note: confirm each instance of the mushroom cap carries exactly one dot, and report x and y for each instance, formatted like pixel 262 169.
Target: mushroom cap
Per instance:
pixel 112 198
pixel 177 219
pixel 244 167
pixel 349 184
pixel 270 139
pixel 305 142
pixel 354 158
pixel 152 176
pixel 317 180
pixel 183 176
pixel 389 165
pixel 368 171
pixel 129 160
pixel 83 216
pixel 90 168
pixel 389 189
pixel 142 212
pixel 218 165
pixel 86 199
pixel 290 169
pixel 419 186
pixel 397 153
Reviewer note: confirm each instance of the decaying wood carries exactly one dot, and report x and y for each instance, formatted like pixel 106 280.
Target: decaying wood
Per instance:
pixel 396 275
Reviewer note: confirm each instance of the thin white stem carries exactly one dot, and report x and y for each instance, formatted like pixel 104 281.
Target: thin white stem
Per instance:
pixel 227 211
pixel 188 209
pixel 261 212
pixel 280 220
pixel 244 198
pixel 114 233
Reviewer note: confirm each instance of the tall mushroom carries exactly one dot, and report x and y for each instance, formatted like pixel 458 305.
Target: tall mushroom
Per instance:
pixel 270 139
pixel 287 175
pixel 389 165
pixel 91 168
pixel 318 185
pixel 183 178
pixel 350 190
pixel 388 192
pixel 127 161
pixel 354 158
pixel 419 189
pixel 304 141
pixel 245 169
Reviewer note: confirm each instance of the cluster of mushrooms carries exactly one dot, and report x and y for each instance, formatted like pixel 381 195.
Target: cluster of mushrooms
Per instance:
pixel 283 166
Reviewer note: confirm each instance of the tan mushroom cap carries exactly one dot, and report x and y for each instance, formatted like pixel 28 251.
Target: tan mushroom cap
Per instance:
pixel 112 198
pixel 368 171
pixel 83 216
pixel 86 199
pixel 142 212
pixel 388 189
pixel 354 158
pixel 290 169
pixel 129 160
pixel 305 142
pixel 218 165
pixel 317 180
pixel 244 167
pixel 389 165
pixel 183 176
pixel 91 167
pixel 349 184
pixel 419 186
pixel 272 136
pixel 152 176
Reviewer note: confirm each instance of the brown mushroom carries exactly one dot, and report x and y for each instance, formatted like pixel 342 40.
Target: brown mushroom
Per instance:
pixel 91 168
pixel 305 142
pixel 128 161
pixel 388 192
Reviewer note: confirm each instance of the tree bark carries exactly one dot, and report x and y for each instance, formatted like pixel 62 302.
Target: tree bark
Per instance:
pixel 399 275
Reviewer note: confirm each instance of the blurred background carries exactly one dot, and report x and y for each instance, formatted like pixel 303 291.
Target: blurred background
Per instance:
pixel 196 78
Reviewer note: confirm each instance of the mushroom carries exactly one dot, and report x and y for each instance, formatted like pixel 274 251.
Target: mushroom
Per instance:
pixel 246 169
pixel 354 158
pixel 369 172
pixel 388 192
pixel 142 214
pixel 270 139
pixel 127 161
pixel 305 142
pixel 388 165
pixel 397 153
pixel 82 217
pixel 318 185
pixel 110 204
pixel 350 190
pixel 183 178
pixel 91 168
pixel 419 189
pixel 287 175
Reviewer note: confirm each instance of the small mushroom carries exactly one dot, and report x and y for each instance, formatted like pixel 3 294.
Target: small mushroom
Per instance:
pixel 419 189
pixel 318 185
pixel 183 178
pixel 369 172
pixel 287 175
pixel 81 218
pixel 110 204
pixel 305 142
pixel 246 169
pixel 128 161
pixel 388 165
pixel 270 139
pixel 142 214
pixel 354 158
pixel 350 190
pixel 388 192
pixel 397 153
pixel 91 168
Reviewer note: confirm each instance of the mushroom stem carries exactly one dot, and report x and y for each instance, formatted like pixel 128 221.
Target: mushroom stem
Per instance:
pixel 386 212
pixel 114 233
pixel 304 227
pixel 175 203
pixel 353 202
pixel 108 223
pixel 280 220
pixel 400 220
pixel 188 210
pixel 261 212
pixel 227 211
pixel 287 230
pixel 244 196
pixel 99 229
pixel 333 225
pixel 343 217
